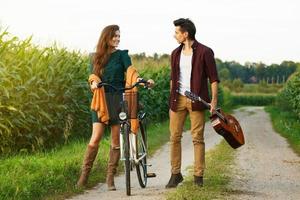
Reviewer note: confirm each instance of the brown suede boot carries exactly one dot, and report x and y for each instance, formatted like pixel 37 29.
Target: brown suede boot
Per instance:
pixel 114 156
pixel 90 155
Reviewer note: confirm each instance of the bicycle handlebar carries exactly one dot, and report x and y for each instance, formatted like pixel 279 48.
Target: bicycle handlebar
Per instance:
pixel 143 81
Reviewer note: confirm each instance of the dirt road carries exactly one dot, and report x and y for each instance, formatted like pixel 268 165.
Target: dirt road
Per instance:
pixel 160 165
pixel 265 167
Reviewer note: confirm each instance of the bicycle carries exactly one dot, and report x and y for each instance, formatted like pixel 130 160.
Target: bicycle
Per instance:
pixel 133 147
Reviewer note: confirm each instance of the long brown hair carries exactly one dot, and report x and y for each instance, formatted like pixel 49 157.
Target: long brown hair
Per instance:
pixel 103 49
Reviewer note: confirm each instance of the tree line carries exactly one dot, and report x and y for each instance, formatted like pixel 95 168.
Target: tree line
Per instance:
pixel 250 72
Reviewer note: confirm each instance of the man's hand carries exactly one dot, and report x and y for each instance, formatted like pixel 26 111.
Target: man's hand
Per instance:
pixel 213 106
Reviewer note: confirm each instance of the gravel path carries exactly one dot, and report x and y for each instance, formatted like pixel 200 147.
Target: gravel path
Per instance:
pixel 160 165
pixel 266 168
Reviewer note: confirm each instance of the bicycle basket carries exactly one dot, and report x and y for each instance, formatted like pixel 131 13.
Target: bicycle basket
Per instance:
pixel 132 102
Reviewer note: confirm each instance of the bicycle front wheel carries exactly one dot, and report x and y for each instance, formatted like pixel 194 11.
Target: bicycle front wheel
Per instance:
pixel 141 166
pixel 126 131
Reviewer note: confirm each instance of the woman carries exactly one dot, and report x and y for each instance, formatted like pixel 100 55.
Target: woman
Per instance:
pixel 109 65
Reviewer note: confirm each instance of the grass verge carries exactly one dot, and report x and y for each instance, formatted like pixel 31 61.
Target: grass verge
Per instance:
pixel 218 164
pixel 53 174
pixel 286 124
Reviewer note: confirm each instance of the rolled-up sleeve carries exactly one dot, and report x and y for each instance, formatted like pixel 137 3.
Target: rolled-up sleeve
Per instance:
pixel 210 66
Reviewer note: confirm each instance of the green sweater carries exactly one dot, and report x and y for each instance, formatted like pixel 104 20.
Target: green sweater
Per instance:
pixel 114 70
pixel 113 74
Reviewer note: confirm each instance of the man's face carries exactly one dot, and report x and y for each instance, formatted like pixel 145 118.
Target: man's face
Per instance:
pixel 180 36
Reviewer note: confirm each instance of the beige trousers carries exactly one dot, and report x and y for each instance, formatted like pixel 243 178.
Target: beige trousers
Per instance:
pixel 177 119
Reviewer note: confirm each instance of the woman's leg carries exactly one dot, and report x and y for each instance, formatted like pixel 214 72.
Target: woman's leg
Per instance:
pixel 114 156
pixel 98 131
pixel 115 136
pixel 91 153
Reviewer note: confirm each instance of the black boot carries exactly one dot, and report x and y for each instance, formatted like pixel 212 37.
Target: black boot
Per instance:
pixel 174 180
pixel 198 180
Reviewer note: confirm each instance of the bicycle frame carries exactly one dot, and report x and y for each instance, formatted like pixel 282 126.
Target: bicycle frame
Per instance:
pixel 132 137
pixel 132 144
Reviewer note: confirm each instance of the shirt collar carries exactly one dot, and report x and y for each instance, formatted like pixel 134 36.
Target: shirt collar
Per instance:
pixel 194 45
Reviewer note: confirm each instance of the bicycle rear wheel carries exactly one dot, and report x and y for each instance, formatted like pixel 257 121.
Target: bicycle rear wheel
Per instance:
pixel 141 166
pixel 126 132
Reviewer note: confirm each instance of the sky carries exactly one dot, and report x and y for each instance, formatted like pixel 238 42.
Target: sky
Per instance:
pixel 265 31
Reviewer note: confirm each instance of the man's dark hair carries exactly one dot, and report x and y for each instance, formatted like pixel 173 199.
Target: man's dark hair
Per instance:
pixel 186 25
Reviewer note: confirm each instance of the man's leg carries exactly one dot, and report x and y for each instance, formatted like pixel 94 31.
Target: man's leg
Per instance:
pixel 197 131
pixel 177 120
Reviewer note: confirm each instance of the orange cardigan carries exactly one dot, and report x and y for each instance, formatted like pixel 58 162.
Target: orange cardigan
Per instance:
pixel 131 76
pixel 98 103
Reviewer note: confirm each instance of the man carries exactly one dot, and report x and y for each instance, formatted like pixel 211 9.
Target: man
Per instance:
pixel 192 64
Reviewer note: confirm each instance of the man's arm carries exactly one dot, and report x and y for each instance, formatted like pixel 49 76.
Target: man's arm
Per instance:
pixel 211 70
pixel 214 94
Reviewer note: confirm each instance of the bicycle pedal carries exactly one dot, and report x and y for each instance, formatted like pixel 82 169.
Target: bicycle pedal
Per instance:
pixel 151 175
pixel 148 165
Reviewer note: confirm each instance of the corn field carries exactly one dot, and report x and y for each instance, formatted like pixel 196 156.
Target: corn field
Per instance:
pixel 43 95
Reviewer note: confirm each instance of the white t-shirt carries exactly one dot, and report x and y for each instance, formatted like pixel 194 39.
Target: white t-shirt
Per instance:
pixel 185 66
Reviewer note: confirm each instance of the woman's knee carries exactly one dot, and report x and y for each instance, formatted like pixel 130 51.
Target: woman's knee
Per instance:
pixel 97 133
pixel 115 140
pixel 115 136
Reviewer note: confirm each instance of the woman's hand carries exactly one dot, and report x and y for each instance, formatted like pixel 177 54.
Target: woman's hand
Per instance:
pixel 94 85
pixel 150 82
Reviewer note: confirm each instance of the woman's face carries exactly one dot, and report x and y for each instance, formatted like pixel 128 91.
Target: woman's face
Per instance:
pixel 114 42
